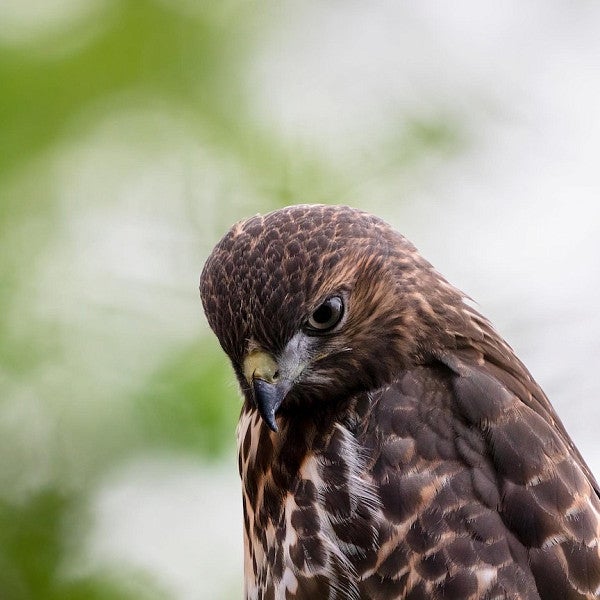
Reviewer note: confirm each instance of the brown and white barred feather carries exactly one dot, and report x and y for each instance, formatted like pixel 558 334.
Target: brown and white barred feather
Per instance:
pixel 422 490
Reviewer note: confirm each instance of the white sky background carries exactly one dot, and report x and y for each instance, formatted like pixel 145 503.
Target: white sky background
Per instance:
pixel 514 219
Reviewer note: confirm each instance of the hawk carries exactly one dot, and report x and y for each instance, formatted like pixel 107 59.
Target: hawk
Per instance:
pixel 391 444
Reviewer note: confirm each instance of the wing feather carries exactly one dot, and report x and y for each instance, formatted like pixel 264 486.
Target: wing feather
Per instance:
pixel 483 491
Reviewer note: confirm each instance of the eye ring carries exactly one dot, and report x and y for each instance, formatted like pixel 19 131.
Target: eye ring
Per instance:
pixel 326 316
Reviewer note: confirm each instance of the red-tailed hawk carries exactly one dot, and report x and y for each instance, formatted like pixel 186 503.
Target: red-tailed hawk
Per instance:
pixel 391 444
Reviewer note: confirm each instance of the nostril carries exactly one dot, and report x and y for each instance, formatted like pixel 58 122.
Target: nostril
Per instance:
pixel 276 376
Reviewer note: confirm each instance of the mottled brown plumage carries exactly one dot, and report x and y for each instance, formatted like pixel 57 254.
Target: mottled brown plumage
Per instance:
pixel 414 456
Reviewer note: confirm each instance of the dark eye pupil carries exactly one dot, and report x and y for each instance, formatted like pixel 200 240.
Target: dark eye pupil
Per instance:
pixel 326 316
pixel 323 314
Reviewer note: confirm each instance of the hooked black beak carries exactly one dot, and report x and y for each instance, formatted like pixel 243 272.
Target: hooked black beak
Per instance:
pixel 262 374
pixel 268 397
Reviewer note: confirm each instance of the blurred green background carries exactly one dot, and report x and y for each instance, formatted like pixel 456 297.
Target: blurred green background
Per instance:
pixel 133 133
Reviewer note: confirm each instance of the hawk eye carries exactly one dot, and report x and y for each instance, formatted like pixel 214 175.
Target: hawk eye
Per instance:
pixel 326 316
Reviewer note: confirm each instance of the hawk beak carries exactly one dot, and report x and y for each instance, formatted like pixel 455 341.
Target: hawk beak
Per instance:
pixel 262 374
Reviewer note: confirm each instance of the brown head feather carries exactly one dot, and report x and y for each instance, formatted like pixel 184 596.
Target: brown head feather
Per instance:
pixel 268 273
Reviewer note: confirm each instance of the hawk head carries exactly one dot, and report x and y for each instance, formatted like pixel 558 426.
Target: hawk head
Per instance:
pixel 316 303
